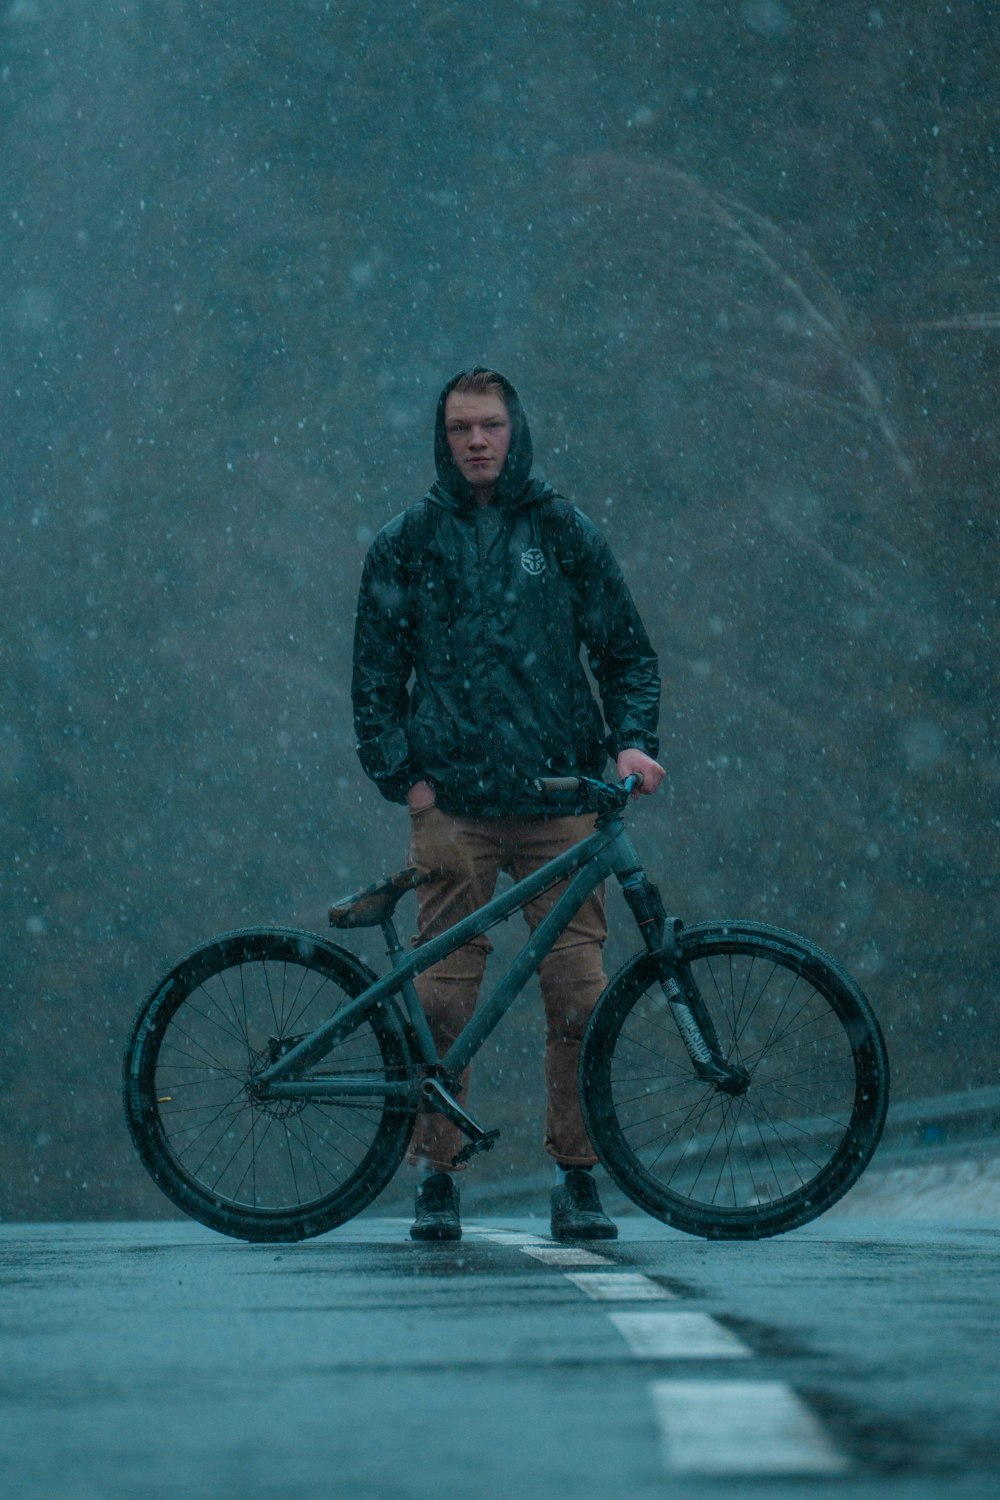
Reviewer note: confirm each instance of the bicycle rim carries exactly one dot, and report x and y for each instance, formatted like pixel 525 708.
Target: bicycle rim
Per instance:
pixel 259 1169
pixel 774 1157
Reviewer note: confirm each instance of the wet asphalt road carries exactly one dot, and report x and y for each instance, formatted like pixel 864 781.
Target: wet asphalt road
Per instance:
pixel 857 1357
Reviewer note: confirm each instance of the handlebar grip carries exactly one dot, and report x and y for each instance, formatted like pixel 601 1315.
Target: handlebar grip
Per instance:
pixel 552 785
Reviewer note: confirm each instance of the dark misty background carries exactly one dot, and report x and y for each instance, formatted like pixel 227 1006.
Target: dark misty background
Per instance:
pixel 741 260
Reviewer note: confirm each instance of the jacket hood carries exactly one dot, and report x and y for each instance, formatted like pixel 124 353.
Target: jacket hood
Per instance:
pixel 513 482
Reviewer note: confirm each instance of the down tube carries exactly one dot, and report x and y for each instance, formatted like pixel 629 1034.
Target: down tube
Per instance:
pixel 327 1036
pixel 545 935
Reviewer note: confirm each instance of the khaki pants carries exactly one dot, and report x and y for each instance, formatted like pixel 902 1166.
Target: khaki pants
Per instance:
pixel 466 855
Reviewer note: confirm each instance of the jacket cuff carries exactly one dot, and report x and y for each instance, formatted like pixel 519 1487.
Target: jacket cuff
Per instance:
pixel 396 789
pixel 386 759
pixel 635 739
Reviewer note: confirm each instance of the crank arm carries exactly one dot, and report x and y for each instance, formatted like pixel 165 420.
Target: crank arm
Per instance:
pixel 437 1098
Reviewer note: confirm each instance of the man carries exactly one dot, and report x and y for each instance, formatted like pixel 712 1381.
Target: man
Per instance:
pixel 484 593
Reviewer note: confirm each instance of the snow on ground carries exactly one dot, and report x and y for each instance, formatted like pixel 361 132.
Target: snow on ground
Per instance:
pixel 951 1189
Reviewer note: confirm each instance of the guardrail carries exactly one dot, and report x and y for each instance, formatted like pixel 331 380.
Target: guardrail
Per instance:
pixel 963 1124
pixel 968 1121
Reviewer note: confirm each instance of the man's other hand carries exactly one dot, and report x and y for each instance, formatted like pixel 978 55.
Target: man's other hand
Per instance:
pixel 421 794
pixel 652 773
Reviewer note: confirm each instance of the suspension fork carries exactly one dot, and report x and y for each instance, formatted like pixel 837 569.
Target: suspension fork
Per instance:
pixel 690 1013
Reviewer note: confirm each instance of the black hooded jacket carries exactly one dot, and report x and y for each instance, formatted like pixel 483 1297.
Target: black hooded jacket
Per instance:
pixel 467 670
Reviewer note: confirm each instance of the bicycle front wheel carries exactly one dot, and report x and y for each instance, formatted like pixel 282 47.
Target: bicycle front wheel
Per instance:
pixel 259 1169
pixel 770 1158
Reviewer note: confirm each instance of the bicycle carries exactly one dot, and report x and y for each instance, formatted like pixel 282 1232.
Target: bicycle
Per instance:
pixel 733 1078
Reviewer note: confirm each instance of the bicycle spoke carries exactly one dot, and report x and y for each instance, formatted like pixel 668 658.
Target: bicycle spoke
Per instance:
pixel 315 1163
pixel 190 1109
pixel 703 1104
pixel 706 1155
pixel 232 1107
pixel 291 1162
pixel 728 1112
pixel 270 998
pixel 802 1103
pixel 342 1128
pixel 670 1031
pixel 294 1010
pixel 760 993
pixel 332 1144
pixel 722 999
pixel 786 1041
pixel 738 1012
pixel 197 1171
pixel 789 1029
pixel 621 1103
pixel 782 1142
pixel 240 1026
pixel 210 1057
pixel 635 1042
pixel 255 1150
pixel 705 1093
pixel 311 1003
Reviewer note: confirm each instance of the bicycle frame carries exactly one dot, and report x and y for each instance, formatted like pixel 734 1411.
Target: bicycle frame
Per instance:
pixel 607 851
pixel 266 1125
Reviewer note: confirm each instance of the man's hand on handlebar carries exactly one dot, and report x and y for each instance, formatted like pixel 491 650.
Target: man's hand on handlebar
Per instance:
pixel 631 761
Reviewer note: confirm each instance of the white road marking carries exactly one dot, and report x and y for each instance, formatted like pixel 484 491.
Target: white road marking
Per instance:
pixel 503 1236
pixel 740 1427
pixel 618 1286
pixel 564 1255
pixel 520 1239
pixel 711 1427
pixel 677 1335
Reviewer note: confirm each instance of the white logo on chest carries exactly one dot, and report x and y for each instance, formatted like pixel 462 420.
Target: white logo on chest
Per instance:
pixel 533 561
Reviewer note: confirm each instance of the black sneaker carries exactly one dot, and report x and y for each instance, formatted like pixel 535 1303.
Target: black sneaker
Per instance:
pixel 576 1210
pixel 437 1209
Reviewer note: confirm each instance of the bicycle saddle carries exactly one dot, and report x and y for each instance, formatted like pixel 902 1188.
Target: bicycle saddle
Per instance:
pixel 376 903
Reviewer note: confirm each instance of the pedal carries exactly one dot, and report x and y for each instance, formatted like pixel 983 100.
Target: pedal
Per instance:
pixel 486 1142
pixel 437 1097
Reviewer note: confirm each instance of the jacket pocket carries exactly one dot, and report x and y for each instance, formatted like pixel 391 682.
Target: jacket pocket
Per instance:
pixel 385 755
pixel 429 734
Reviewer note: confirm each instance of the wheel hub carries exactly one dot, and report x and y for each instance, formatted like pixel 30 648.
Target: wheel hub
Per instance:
pixel 278 1109
pixel 736 1083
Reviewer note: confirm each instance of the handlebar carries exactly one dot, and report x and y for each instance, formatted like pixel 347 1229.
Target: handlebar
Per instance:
pixel 598 796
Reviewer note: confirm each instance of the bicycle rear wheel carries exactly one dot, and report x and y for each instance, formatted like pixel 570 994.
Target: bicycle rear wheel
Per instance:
pixel 280 1169
pixel 771 1158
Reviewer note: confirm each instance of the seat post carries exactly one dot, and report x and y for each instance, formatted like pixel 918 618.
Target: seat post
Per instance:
pixel 392 944
pixel 426 1045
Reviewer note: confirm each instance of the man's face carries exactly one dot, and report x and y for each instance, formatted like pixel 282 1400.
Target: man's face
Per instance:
pixel 478 429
